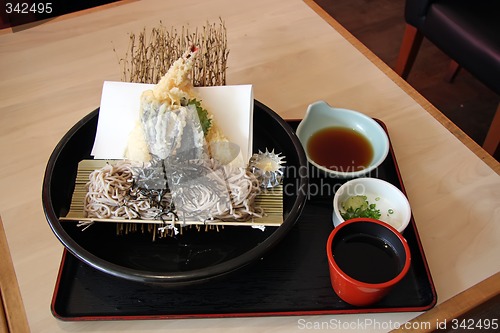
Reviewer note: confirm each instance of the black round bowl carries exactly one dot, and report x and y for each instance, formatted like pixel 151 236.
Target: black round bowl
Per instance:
pixel 194 256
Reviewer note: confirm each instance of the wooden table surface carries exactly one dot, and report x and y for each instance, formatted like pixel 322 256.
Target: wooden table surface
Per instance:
pixel 52 75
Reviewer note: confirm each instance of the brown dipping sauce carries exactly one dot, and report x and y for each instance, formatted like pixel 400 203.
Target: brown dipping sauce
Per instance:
pixel 340 149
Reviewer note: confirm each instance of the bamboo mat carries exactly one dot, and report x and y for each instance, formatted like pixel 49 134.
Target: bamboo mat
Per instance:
pixel 271 201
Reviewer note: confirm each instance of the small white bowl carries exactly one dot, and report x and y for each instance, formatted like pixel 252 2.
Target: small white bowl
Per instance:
pixel 321 115
pixel 392 203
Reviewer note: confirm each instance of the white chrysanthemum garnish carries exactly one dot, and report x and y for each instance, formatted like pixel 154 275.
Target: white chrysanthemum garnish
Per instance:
pixel 268 167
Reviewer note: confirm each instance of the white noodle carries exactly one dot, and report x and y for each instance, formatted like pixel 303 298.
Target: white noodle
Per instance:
pixel 109 195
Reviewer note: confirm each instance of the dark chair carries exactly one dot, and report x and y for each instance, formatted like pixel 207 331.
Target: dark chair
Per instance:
pixel 468 31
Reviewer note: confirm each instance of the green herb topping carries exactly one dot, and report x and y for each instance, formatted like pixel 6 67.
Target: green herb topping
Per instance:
pixel 358 206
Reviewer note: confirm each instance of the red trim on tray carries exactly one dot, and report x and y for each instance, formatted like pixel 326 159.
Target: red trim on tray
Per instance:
pixel 56 287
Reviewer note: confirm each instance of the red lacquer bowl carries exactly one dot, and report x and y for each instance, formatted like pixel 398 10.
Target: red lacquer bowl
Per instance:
pixel 366 258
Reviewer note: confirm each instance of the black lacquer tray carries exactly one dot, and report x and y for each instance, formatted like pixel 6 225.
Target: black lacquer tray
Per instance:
pixel 292 279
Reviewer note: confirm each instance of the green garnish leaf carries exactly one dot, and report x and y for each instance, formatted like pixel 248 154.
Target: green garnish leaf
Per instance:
pixel 205 120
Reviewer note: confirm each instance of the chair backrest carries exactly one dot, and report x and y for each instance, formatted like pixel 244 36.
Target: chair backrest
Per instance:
pixel 415 11
pixel 468 31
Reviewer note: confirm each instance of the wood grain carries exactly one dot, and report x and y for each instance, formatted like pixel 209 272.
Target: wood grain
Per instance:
pixel 12 314
pixel 456 306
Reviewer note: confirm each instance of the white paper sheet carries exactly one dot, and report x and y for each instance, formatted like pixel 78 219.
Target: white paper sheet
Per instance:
pixel 232 107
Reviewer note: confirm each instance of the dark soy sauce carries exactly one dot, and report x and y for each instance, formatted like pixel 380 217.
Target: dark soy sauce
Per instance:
pixel 366 258
pixel 340 149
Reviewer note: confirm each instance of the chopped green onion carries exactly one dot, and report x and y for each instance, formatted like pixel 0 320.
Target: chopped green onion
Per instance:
pixel 366 210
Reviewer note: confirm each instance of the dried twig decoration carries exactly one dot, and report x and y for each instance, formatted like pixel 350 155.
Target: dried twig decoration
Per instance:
pixel 146 61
